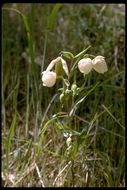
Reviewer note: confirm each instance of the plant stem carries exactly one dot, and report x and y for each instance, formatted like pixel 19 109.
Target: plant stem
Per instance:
pixel 72 172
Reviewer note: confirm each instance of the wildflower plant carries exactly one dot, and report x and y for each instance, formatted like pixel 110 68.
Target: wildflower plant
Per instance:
pixel 58 141
pixel 59 69
pixel 64 68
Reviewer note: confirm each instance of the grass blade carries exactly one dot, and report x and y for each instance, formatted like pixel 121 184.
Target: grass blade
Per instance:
pixel 53 15
pixel 113 116
pixel 81 100
pixel 42 136
pixel 28 153
pixel 82 52
pixel 9 138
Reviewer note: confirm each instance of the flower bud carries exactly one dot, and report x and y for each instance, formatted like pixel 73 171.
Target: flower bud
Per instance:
pixel 68 141
pixel 73 87
pixel 99 64
pixel 62 97
pixel 67 92
pixel 85 65
pixel 49 78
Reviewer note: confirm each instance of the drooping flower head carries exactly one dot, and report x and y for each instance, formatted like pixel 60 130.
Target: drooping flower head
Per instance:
pixel 48 76
pixel 85 65
pixel 99 64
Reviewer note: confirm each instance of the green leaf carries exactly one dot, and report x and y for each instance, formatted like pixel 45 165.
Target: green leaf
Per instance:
pixel 28 153
pixel 58 125
pixel 82 52
pixel 38 150
pixel 9 138
pixel 75 107
pixel 53 15
pixel 67 54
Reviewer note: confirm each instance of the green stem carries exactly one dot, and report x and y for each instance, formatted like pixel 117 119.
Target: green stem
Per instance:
pixel 72 172
pixel 44 51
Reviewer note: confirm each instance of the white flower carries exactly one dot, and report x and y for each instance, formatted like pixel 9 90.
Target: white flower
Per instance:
pixel 85 65
pixel 63 62
pixel 99 64
pixel 49 78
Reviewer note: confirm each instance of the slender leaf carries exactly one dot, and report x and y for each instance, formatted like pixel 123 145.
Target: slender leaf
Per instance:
pixel 67 54
pixel 82 52
pixel 53 15
pixel 81 100
pixel 9 138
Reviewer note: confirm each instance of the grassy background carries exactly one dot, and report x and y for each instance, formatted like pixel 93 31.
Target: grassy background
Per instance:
pixel 27 106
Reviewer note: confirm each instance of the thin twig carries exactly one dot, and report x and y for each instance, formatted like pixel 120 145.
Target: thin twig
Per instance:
pixel 59 174
pixel 39 175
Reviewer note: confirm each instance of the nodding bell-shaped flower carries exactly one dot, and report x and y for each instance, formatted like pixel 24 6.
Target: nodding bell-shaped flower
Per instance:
pixel 99 64
pixel 59 60
pixel 49 78
pixel 85 65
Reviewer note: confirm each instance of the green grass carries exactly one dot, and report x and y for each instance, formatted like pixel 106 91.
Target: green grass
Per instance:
pixel 35 125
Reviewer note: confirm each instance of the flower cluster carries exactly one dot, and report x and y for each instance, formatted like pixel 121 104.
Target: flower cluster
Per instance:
pixel 85 65
pixel 98 64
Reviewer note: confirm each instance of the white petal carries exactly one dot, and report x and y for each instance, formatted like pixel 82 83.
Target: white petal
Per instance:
pixel 49 78
pixel 53 62
pixel 85 65
pixel 51 65
pixel 65 67
pixel 99 64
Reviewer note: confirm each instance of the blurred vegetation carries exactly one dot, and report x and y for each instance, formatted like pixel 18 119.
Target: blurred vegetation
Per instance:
pixel 100 159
